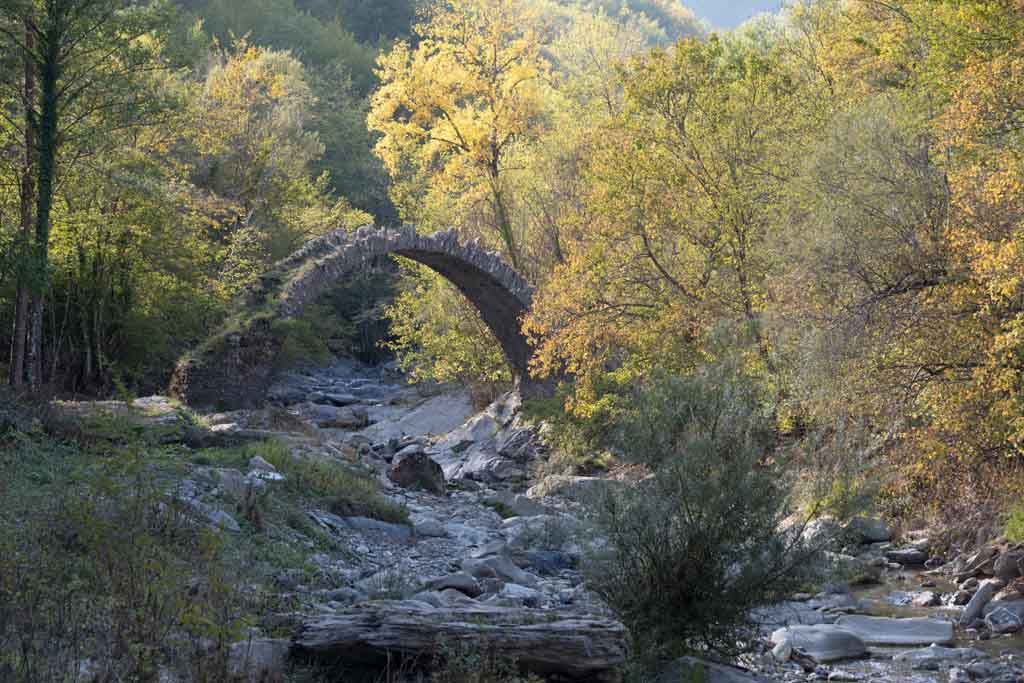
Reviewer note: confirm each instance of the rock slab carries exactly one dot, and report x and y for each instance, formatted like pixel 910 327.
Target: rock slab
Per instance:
pixel 574 646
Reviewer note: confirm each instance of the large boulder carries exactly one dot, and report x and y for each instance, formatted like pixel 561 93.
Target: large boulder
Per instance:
pixel 870 530
pixel 569 646
pixel 418 471
pixel 823 642
pixel 975 608
pixel 887 631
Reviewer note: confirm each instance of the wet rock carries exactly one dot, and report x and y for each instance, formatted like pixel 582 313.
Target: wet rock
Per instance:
pixel 907 556
pixel 825 643
pixel 1003 620
pixel 975 608
pixel 934 657
pixel 418 471
pixel 887 631
pixel 926 599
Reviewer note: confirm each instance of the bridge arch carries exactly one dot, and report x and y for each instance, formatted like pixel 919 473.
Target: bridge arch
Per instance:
pixel 234 368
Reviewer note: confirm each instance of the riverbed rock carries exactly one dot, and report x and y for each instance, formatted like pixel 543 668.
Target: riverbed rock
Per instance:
pixel 870 529
pixel 460 581
pixel 934 657
pixel 693 669
pixel 1009 565
pixel 331 417
pixel 418 471
pixel 575 646
pixel 981 598
pixel 258 660
pixel 1004 620
pixel 823 642
pixel 907 556
pixel 889 631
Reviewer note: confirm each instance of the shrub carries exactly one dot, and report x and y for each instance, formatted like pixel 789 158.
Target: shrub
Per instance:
pixel 1015 524
pixel 695 546
pixel 336 486
pixel 95 564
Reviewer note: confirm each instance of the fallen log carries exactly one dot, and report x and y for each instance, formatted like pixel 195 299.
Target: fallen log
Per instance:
pixel 545 642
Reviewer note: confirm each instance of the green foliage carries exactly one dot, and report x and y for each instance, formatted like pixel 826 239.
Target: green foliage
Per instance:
pixel 299 341
pixel 476 662
pixel 439 336
pixel 337 486
pixel 1015 524
pixel 717 494
pixel 94 562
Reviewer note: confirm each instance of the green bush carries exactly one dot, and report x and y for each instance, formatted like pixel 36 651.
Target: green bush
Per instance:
pixel 694 547
pixel 94 563
pixel 1015 524
pixel 299 342
pixel 336 486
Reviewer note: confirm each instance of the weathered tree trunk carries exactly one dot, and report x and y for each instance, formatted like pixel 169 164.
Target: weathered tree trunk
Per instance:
pixel 555 644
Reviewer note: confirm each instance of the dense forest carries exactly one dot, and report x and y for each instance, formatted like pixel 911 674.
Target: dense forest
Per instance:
pixel 798 234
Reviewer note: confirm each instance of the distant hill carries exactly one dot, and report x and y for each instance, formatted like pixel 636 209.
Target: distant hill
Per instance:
pixel 731 13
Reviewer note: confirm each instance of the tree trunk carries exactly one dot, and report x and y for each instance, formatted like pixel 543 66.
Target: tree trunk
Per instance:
pixel 46 171
pixel 21 307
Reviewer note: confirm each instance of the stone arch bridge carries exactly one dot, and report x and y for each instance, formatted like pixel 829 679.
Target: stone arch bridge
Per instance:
pixel 234 368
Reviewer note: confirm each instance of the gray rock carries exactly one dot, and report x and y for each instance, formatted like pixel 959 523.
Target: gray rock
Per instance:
pixel 258 463
pixel 692 669
pixel 498 566
pixel 1009 565
pixel 521 595
pixel 1003 620
pixel 430 528
pixel 517 504
pixel 418 471
pixel 825 643
pixel 217 518
pixel 934 657
pixel 870 529
pixel 976 607
pixel 398 533
pixel 258 660
pixel 565 645
pixel 907 556
pixel 887 631
pixel 330 417
pixel 548 562
pixel 331 399
pixel 459 581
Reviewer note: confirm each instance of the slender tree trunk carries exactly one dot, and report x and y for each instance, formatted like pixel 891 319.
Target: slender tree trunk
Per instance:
pixel 504 221
pixel 46 159
pixel 21 307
